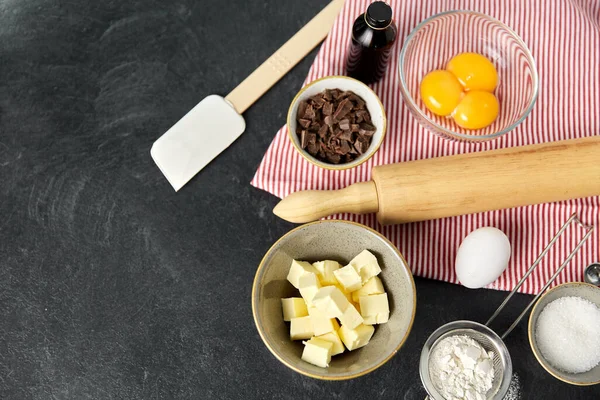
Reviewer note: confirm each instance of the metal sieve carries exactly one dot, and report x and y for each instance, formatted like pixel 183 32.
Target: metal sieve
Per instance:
pixel 486 337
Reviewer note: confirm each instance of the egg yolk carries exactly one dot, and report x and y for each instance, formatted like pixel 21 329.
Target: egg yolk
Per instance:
pixel 476 110
pixel 474 71
pixel 441 92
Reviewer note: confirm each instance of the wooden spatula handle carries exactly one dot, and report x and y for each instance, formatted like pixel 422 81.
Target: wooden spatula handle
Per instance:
pixel 491 180
pixel 284 59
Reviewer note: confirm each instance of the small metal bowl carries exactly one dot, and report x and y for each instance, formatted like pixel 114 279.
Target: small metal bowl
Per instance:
pixel 577 289
pixel 487 338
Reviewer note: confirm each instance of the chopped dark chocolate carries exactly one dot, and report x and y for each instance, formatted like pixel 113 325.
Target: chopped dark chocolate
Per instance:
pixel 334 126
pixel 309 112
pixel 342 109
pixel 323 130
pixel 317 101
pixel 345 124
pixel 305 123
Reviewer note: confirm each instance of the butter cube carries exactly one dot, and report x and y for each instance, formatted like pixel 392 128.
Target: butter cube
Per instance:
pixel 321 323
pixel 351 317
pixel 357 337
pixel 326 269
pixel 334 338
pixel 347 294
pixel 349 278
pixel 317 352
pixel 294 307
pixel 331 301
pixel 301 328
pixel 366 265
pixel 308 286
pixel 375 308
pixel 372 286
pixel 298 269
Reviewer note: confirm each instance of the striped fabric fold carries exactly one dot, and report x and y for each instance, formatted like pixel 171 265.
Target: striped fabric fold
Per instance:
pixel 564 38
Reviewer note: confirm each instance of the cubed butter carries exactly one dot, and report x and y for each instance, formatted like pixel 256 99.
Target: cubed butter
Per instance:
pixel 334 338
pixel 375 309
pixel 351 317
pixel 366 265
pixel 348 295
pixel 321 323
pixel 357 337
pixel 373 286
pixel 317 352
pixel 349 278
pixel 331 301
pixel 326 269
pixel 298 269
pixel 294 307
pixel 309 286
pixel 301 328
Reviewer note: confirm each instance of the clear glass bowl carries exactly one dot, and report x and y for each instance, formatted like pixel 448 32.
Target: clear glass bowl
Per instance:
pixel 440 37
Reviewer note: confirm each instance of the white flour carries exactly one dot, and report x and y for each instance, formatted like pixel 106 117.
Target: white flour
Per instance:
pixel 461 369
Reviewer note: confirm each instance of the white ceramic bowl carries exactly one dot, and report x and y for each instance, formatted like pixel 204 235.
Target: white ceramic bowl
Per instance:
pixel 374 105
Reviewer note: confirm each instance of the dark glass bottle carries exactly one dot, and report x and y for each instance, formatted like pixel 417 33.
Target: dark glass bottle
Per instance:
pixel 373 35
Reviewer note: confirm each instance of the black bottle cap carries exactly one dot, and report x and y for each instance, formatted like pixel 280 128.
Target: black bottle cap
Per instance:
pixel 379 15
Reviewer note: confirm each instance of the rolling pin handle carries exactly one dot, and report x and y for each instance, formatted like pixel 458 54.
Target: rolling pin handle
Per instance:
pixel 311 205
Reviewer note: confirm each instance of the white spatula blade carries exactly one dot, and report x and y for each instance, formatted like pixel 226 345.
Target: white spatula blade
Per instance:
pixel 198 137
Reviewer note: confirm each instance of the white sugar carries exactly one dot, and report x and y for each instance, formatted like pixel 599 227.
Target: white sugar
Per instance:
pixel 567 333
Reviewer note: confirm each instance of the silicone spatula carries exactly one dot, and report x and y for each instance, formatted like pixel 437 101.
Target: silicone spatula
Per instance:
pixel 216 122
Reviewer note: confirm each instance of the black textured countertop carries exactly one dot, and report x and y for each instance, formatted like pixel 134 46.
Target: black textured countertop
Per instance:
pixel 112 286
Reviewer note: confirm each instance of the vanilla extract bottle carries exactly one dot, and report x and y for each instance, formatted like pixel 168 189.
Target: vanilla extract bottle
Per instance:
pixel 373 35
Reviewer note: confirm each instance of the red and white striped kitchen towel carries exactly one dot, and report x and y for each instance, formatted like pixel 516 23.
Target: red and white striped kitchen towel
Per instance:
pixel 564 37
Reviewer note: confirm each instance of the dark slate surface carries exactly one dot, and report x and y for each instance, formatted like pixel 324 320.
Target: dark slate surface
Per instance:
pixel 111 285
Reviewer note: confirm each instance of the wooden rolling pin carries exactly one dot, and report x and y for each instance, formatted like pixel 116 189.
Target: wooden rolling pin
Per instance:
pixel 461 184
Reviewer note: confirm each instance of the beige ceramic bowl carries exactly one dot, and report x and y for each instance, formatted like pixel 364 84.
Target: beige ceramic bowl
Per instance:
pixel 344 83
pixel 341 241
pixel 576 289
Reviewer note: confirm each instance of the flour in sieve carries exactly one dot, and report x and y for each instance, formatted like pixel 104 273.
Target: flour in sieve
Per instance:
pixel 461 369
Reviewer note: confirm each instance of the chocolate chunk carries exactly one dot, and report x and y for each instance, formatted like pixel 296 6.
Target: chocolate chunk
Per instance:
pixel 334 126
pixel 346 135
pixel 304 139
pixel 302 108
pixel 361 145
pixel 342 109
pixel 305 123
pixel 317 101
pixel 309 112
pixel 366 129
pixel 345 147
pixel 333 158
pixel 323 130
pixel 313 149
pixel 345 124
pixel 359 104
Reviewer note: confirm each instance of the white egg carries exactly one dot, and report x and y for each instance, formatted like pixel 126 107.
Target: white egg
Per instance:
pixel 482 257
